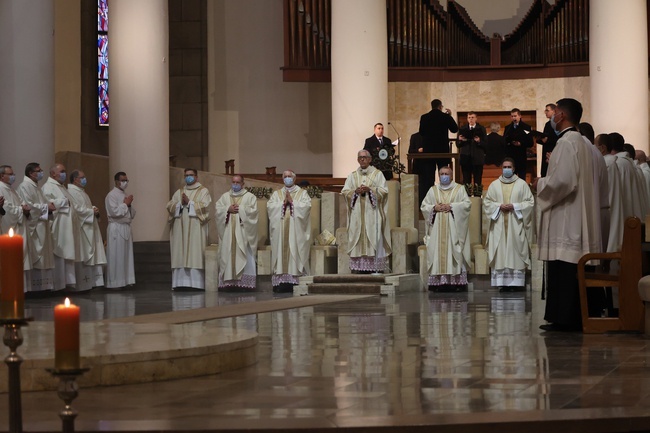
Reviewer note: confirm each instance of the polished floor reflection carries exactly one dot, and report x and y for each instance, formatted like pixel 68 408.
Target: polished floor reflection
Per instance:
pixel 371 362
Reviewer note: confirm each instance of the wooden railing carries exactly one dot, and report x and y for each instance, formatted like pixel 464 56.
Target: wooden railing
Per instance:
pixel 421 34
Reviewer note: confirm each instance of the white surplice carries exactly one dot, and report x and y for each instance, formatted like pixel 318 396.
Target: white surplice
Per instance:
pixel 120 270
pixel 508 243
pixel 290 232
pixel 369 243
pixel 447 234
pixel 616 196
pixel 188 235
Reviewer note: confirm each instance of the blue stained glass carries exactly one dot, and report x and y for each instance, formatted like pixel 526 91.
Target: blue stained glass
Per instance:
pixel 102 57
pixel 102 15
pixel 102 91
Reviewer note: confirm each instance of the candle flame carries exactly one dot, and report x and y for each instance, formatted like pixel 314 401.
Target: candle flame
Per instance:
pixel 67 302
pixel 11 232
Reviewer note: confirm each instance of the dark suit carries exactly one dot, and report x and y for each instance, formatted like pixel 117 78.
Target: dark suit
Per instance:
pixel 548 146
pixel 514 134
pixel 495 150
pixel 373 145
pixel 472 153
pixel 434 128
pixel 414 144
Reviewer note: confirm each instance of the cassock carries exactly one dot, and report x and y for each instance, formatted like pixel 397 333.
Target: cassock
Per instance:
pixel 368 232
pixel 508 243
pixel 89 270
pixel 447 235
pixel 41 246
pixel 290 231
pixel 120 271
pixel 616 209
pixel 65 233
pixel 15 218
pixel 188 235
pixel 237 240
pixel 568 226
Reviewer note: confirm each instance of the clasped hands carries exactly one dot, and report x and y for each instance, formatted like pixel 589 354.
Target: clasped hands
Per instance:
pixel 442 207
pixel 185 199
pixel 507 207
pixel 362 189
pixel 234 208
pixel 287 198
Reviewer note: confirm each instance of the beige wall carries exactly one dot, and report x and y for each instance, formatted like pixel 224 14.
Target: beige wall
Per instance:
pixel 254 117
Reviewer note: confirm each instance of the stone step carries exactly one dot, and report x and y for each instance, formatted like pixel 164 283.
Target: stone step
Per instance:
pixel 151 247
pixel 350 278
pixel 354 288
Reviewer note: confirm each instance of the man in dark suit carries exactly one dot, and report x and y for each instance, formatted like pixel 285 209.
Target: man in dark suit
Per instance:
pixel 434 128
pixel 415 146
pixel 549 138
pixel 375 143
pixel 471 144
pixel 495 150
pixel 518 141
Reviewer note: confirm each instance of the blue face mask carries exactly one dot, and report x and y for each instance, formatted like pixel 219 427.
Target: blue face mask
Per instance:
pixel 507 172
pixel 445 179
pixel 236 187
pixel 288 182
pixel 62 177
pixel 12 179
pixel 83 182
pixel 39 176
pixel 553 124
pixel 189 180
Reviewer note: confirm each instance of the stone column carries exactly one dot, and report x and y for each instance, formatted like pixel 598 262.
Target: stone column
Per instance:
pixel 139 116
pixel 618 67
pixel 26 84
pixel 359 78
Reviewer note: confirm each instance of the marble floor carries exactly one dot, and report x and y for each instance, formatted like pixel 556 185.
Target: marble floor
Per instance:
pixel 461 362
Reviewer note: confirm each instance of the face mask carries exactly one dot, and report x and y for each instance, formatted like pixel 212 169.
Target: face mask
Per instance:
pixel 62 177
pixel 445 179
pixel 124 184
pixel 553 124
pixel 12 179
pixel 507 172
pixel 39 176
pixel 189 180
pixel 288 181
pixel 83 182
pixel 236 187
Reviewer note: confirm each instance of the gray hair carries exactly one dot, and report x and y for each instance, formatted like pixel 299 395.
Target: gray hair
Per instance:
pixel 3 169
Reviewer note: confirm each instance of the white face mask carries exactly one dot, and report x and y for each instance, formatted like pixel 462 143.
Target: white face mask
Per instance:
pixel 288 182
pixel 124 184
pixel 445 179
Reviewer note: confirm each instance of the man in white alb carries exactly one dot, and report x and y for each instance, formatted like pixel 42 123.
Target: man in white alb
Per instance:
pixel 120 270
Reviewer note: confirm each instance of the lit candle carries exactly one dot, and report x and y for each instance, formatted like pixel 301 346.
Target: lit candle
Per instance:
pixel 66 336
pixel 12 295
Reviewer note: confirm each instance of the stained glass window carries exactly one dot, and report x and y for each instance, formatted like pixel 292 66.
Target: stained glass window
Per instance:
pixel 102 61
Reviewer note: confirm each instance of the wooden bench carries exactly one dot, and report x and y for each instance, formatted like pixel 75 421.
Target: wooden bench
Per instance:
pixel 631 316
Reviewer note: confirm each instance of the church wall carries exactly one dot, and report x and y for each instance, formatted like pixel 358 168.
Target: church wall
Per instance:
pixel 254 117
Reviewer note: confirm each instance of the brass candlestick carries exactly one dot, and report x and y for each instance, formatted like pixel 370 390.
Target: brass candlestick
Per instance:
pixel 68 390
pixel 13 338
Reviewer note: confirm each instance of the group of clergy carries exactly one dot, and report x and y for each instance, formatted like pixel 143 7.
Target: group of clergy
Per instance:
pixel 62 243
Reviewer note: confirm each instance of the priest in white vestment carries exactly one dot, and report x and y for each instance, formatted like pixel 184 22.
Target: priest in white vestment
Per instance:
pixel 641 162
pixel 631 185
pixel 568 226
pixel 509 205
pixel 446 210
pixel 289 210
pixel 90 269
pixel 615 194
pixel 15 216
pixel 120 271
pixel 236 216
pixel 366 197
pixel 189 213
pixel 40 240
pixel 65 229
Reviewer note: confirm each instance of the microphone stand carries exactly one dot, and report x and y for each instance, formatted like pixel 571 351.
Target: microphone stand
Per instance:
pixel 399 145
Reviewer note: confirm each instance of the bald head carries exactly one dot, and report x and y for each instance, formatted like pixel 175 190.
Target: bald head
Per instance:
pixel 640 156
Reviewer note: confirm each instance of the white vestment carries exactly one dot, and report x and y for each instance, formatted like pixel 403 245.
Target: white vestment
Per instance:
pixel 188 235
pixel 601 191
pixel 65 233
pixel 290 232
pixel 369 243
pixel 237 239
pixel 41 245
pixel 120 270
pixel 508 243
pixel 447 234
pixel 616 208
pixel 632 188
pixel 568 226
pixel 15 218
pixel 89 270
pixel 645 169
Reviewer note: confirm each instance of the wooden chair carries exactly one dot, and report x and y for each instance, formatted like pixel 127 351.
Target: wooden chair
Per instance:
pixel 631 316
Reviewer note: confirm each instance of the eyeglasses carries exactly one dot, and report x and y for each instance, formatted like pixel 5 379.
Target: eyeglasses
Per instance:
pixel 363 157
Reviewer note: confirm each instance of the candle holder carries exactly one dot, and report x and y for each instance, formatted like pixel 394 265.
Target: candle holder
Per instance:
pixel 13 338
pixel 68 390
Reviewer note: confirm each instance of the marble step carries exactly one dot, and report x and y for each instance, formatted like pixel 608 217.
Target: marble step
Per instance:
pixel 349 288
pixel 350 278
pixel 385 285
